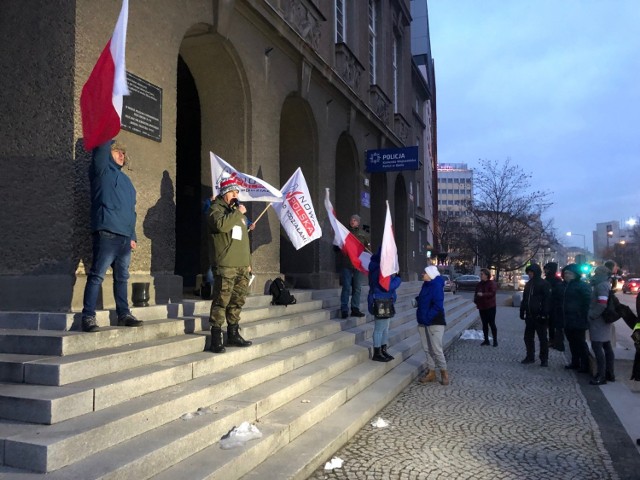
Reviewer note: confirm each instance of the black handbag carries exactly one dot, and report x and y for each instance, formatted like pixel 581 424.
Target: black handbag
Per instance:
pixel 383 308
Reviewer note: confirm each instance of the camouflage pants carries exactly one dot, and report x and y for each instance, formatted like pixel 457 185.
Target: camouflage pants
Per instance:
pixel 230 288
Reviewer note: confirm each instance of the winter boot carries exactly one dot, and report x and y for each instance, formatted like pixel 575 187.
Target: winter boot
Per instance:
pixel 383 351
pixel 445 377
pixel 377 355
pixel 234 339
pixel 429 376
pixel 217 342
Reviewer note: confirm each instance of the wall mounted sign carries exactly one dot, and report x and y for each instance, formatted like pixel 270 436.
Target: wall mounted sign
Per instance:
pixel 392 159
pixel 142 110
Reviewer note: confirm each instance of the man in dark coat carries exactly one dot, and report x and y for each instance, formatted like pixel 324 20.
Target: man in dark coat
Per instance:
pixel 572 299
pixel 556 334
pixel 534 310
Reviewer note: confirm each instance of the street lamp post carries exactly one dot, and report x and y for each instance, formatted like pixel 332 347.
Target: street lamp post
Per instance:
pixel 584 242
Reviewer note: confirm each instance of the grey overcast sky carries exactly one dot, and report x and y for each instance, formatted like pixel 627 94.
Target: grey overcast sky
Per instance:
pixel 555 86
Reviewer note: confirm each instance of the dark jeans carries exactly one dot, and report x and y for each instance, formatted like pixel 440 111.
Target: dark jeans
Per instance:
pixel 109 250
pixel 578 347
pixel 604 359
pixel 488 317
pixel 532 327
pixel 351 285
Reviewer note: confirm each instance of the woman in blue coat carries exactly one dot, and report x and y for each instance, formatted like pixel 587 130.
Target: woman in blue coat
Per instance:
pixel 431 324
pixel 377 291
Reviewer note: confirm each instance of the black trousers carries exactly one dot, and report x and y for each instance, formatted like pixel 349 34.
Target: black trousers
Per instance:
pixel 488 317
pixel 532 327
pixel 578 347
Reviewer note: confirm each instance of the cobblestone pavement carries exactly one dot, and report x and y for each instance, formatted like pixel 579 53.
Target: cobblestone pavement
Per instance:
pixel 498 419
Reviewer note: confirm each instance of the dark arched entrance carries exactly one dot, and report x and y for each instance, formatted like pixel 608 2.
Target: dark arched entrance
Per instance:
pixel 298 148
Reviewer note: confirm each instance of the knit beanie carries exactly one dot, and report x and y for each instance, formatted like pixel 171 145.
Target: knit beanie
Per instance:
pixel 432 271
pixel 228 185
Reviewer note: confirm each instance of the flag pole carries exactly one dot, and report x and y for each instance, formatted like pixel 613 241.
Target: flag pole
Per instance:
pixel 261 214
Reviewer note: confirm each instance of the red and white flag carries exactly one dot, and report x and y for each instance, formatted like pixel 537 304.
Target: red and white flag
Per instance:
pixel 296 212
pixel 252 189
pixel 389 253
pixel 347 241
pixel 101 98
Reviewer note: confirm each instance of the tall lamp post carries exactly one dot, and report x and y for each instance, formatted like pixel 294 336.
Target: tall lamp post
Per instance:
pixel 584 242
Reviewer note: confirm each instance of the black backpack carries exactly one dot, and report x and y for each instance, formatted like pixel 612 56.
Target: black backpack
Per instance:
pixel 280 293
pixel 612 312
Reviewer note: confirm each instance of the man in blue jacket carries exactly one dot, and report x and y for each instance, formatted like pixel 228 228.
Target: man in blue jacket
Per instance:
pixel 113 231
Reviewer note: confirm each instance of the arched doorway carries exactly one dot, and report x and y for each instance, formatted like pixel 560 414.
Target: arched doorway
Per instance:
pixel 190 231
pixel 400 222
pixel 298 148
pixel 345 199
pixel 212 116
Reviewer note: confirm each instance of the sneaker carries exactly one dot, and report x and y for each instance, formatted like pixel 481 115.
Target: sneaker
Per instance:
pixel 356 313
pixel 344 314
pixel 128 320
pixel 89 324
pixel 486 342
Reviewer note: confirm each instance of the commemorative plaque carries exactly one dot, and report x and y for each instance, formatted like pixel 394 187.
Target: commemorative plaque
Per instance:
pixel 142 109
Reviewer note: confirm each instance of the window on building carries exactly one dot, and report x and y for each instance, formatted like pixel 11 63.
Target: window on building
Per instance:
pixel 418 186
pixel 341 22
pixel 373 33
pixel 394 67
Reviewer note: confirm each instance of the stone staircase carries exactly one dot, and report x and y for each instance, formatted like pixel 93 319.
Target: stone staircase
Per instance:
pixel 152 402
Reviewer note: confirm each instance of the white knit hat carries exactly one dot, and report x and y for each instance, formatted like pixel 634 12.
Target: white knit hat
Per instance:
pixel 432 271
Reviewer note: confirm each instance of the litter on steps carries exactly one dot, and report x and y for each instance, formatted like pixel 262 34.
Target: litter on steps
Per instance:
pixel 238 436
pixel 335 462
pixel 379 423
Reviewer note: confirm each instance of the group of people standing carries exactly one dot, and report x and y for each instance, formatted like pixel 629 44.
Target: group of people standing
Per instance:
pixel 569 307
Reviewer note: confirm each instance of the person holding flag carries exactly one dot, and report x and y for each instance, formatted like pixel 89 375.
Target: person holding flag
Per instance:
pixel 351 276
pixel 229 241
pixel 113 196
pixel 383 283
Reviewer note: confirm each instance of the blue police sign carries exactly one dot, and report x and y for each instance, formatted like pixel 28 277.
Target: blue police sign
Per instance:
pixel 392 159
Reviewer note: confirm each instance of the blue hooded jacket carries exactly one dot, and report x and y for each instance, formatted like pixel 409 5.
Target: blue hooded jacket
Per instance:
pixel 375 289
pixel 431 303
pixel 113 197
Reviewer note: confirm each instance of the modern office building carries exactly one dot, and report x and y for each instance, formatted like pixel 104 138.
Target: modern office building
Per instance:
pixel 455 188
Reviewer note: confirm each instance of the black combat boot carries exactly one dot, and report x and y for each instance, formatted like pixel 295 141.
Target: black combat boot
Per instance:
pixel 217 342
pixel 233 337
pixel 377 355
pixel 383 351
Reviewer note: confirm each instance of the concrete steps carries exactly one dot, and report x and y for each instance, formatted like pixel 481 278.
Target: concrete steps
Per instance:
pixel 124 420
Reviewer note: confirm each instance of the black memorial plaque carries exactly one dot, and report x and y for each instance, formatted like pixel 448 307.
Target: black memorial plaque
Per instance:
pixel 142 109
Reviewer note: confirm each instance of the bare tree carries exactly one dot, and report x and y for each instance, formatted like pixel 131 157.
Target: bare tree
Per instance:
pixel 508 229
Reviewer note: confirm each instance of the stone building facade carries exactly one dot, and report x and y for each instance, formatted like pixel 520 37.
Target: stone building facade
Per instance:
pixel 268 85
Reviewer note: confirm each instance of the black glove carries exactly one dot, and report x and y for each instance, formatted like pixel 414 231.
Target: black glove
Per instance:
pixel 521 315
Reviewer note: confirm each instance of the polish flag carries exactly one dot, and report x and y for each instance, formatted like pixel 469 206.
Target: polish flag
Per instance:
pixel 251 189
pixel 389 255
pixel 101 98
pixel 346 240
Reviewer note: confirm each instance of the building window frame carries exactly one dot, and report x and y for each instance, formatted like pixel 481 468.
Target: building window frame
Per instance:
pixel 373 38
pixel 341 21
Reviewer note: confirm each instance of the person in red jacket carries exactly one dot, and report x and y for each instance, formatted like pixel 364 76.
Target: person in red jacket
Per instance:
pixel 485 300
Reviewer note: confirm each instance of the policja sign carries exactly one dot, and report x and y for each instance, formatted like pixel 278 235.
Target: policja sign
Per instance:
pixel 392 159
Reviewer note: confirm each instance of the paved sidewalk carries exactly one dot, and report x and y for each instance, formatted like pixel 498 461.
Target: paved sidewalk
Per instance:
pixel 499 419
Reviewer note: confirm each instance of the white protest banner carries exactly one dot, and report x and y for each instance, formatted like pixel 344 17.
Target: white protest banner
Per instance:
pixel 252 189
pixel 296 212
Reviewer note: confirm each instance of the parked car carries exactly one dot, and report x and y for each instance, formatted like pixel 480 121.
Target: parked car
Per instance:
pixel 632 285
pixel 467 282
pixel 449 285
pixel 523 281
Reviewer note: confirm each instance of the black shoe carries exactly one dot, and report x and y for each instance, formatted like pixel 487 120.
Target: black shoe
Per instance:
pixel 385 354
pixel 128 320
pixel 344 314
pixel 559 348
pixel 527 360
pixel 495 343
pixel 356 313
pixel 584 370
pixel 89 324
pixel 610 377
pixel 486 342
pixel 544 363
pixel 597 381
pixel 571 367
pixel 377 355
pixel 217 341
pixel 234 339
